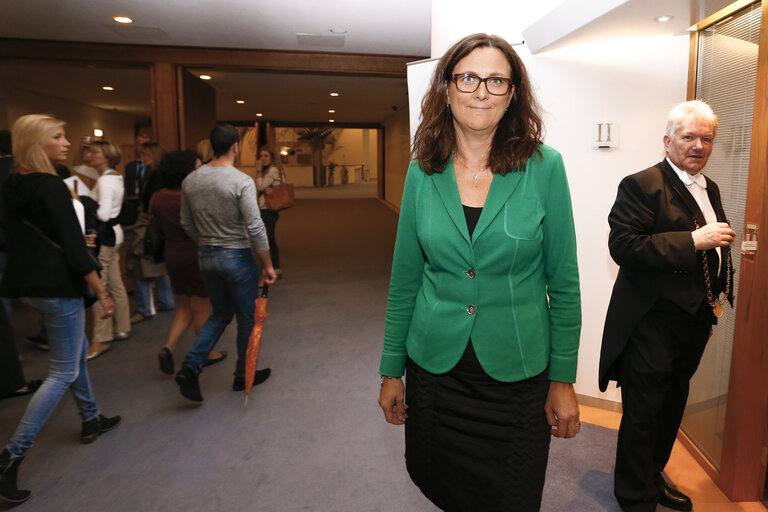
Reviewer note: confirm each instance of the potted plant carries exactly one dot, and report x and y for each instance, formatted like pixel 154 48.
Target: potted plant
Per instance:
pixel 344 175
pixel 331 169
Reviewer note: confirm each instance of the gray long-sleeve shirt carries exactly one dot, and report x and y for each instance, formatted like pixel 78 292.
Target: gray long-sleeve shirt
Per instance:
pixel 219 208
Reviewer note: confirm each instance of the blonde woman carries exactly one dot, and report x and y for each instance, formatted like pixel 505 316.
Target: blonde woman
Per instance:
pixel 49 268
pixel 108 193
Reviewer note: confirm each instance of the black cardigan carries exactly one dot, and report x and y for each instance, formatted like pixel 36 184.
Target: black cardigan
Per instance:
pixel 35 267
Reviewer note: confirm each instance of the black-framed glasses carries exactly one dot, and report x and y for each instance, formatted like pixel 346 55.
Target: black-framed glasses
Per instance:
pixel 496 85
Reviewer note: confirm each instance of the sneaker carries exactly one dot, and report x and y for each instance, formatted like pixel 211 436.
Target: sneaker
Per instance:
pixel 97 426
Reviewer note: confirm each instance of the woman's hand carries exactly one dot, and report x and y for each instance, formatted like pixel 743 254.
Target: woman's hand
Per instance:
pixel 107 305
pixel 562 410
pixel 392 400
pixel 90 240
pixel 268 191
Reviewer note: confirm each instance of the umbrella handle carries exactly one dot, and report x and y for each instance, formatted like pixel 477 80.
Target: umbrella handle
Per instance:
pixel 264 291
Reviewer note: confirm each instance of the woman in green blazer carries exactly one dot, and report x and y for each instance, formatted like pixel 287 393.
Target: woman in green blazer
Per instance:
pixel 484 307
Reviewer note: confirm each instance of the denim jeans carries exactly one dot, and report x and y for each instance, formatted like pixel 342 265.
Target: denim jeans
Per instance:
pixel 231 277
pixel 64 320
pixel 142 294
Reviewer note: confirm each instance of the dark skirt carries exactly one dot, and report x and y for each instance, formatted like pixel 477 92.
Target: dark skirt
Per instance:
pixel 474 444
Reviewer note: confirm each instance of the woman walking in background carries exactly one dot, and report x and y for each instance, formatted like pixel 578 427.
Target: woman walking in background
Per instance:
pixel 180 256
pixel 269 176
pixel 49 269
pixel 108 193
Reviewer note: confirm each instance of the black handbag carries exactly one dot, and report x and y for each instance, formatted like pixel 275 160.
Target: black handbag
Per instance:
pixel 154 244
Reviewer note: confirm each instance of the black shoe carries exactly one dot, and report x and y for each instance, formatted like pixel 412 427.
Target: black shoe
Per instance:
pixel 97 426
pixel 209 361
pixel 674 499
pixel 9 472
pixel 166 361
pixel 39 341
pixel 188 385
pixel 261 375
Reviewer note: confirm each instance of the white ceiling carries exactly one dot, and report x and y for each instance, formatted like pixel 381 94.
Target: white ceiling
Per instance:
pixel 394 27
pixel 391 27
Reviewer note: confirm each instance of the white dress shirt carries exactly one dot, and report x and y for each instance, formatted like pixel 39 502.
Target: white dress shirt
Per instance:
pixel 697 186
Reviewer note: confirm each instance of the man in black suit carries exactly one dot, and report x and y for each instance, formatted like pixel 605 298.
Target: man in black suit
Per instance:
pixel 670 237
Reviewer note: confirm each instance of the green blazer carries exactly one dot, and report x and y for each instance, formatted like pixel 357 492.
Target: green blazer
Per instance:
pixel 513 288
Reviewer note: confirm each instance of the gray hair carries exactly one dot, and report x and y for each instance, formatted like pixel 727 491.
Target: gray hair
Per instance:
pixel 696 109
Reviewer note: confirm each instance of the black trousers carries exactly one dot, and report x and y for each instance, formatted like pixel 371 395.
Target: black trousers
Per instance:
pixel 270 221
pixel 11 374
pixel 661 356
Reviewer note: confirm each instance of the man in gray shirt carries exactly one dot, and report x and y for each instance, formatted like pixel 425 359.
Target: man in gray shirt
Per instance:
pixel 220 211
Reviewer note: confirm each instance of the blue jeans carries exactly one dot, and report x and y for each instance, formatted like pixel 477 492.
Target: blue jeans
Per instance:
pixel 64 320
pixel 143 290
pixel 231 277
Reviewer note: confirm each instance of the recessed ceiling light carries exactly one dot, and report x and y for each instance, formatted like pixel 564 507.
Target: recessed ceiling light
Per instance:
pixel 338 31
pixel 98 133
pixel 662 19
pixel 259 114
pixel 123 19
pixel 107 88
pixel 240 102
pixel 334 94
pixel 331 111
pixel 205 77
pixel 331 121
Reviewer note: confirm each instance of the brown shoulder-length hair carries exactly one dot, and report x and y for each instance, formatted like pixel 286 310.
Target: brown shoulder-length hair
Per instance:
pixel 518 133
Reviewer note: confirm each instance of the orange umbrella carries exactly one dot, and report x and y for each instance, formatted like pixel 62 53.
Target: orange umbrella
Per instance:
pixel 254 340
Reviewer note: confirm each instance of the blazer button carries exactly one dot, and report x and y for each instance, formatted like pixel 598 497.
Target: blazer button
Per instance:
pixel 471 273
pixel 470 309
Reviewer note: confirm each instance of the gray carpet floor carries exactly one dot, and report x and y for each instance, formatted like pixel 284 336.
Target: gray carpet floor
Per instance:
pixel 312 437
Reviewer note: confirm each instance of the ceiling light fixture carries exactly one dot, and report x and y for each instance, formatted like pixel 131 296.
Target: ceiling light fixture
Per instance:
pixel 662 19
pixel 123 19
pixel 331 111
pixel 259 114
pixel 334 94
pixel 205 77
pixel 107 88
pixel 240 102
pixel 97 132
pixel 338 31
pixel 331 121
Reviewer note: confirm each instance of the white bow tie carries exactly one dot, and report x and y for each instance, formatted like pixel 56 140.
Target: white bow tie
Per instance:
pixel 698 179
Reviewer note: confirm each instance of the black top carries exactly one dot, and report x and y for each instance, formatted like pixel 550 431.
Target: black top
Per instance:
pixel 35 267
pixel 472 213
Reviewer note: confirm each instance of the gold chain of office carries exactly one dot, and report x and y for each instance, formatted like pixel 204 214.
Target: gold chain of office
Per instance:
pixel 716 304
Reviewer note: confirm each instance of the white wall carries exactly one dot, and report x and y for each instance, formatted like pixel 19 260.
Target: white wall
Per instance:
pixel 632 82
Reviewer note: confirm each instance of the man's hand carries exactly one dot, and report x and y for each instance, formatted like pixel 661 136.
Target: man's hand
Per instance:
pixel 714 234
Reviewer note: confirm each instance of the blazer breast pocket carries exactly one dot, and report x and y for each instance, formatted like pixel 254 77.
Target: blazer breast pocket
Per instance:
pixel 522 220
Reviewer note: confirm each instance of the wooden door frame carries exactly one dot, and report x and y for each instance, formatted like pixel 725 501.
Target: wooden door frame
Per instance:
pixel 745 438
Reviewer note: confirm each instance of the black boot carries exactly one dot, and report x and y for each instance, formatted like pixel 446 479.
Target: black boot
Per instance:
pixel 9 471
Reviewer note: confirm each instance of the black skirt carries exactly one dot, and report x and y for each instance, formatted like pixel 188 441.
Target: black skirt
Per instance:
pixel 474 444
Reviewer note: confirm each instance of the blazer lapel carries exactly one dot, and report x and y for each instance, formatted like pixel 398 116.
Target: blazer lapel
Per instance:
pixel 445 184
pixel 501 188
